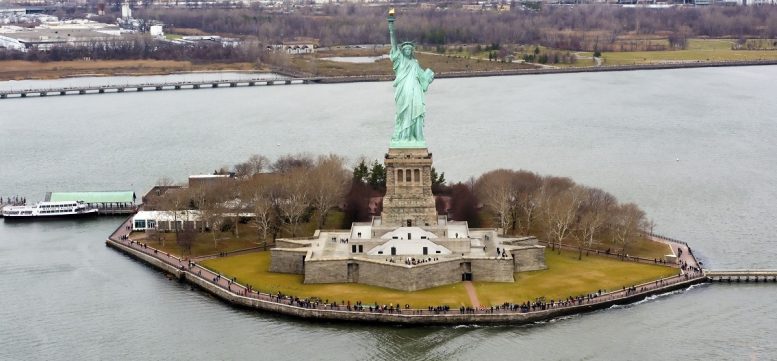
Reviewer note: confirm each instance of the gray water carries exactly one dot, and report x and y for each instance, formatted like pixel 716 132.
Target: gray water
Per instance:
pixel 697 149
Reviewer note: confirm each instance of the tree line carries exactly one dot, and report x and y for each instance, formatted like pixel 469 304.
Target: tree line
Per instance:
pixel 296 189
pixel 587 27
pixel 281 195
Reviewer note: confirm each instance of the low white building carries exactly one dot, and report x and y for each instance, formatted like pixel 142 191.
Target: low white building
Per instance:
pixel 166 220
pixel 157 31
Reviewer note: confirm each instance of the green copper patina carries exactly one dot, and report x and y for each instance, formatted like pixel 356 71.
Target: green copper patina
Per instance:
pixel 410 84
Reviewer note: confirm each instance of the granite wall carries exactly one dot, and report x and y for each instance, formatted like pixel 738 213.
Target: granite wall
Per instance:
pixel 288 260
pixel 530 258
pixel 492 270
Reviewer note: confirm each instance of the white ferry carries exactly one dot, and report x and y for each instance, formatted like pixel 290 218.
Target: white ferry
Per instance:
pixel 49 210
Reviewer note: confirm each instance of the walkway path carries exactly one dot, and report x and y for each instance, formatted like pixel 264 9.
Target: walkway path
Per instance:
pixel 682 251
pixel 194 270
pixel 473 295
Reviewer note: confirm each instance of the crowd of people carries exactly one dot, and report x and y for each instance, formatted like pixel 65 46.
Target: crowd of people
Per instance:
pixel 412 261
pixel 13 201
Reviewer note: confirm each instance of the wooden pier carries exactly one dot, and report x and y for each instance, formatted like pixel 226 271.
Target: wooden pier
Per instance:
pixel 742 275
pixel 123 88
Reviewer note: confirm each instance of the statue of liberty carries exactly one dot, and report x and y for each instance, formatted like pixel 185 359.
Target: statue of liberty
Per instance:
pixel 410 84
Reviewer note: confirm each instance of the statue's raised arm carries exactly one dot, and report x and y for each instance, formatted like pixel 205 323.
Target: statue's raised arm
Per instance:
pixel 410 84
pixel 391 29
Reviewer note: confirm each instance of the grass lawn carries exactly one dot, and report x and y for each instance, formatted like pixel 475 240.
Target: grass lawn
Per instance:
pixel 204 245
pixel 566 276
pixel 253 269
pixel 642 247
pixel 698 50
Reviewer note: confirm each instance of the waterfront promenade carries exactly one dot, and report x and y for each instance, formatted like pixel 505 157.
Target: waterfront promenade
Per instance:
pixel 235 293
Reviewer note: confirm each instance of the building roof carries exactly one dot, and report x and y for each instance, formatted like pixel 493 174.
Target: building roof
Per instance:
pixel 163 216
pixel 208 176
pixel 94 197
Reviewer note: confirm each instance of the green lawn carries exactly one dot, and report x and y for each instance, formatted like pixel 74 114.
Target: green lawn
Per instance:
pixel 253 269
pixel 566 276
pixel 642 247
pixel 204 244
pixel 698 50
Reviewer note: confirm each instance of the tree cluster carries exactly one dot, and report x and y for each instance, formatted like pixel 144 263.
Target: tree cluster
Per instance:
pixel 574 28
pixel 281 195
pixel 558 209
pixel 290 191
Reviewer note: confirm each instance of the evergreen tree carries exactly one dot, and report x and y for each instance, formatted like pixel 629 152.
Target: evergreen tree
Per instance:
pixel 377 177
pixel 437 179
pixel 361 173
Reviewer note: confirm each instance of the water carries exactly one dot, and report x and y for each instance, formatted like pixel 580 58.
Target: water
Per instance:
pixel 66 296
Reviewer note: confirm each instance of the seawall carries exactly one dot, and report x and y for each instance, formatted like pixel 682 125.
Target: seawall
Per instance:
pixel 267 303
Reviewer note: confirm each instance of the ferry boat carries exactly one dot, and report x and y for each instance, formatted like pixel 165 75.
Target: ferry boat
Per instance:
pixel 46 210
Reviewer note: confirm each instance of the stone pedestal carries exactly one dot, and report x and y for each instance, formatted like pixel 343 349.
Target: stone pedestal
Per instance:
pixel 409 200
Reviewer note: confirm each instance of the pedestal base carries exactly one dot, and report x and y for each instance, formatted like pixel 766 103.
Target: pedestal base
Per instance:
pixel 409 200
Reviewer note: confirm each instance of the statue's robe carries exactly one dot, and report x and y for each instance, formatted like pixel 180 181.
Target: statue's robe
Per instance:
pixel 409 86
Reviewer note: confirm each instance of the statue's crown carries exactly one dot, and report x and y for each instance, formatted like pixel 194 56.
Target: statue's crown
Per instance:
pixel 406 43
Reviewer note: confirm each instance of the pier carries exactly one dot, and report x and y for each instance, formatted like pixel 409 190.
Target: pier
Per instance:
pixel 153 86
pixel 742 275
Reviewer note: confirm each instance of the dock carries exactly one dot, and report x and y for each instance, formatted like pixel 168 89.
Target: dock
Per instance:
pixel 742 275
pixel 108 203
pixel 154 86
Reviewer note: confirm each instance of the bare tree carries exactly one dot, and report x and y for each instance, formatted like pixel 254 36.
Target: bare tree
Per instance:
pixel 176 203
pixel 526 186
pixel 594 212
pixel 255 164
pixel 186 238
pixel 560 214
pixel 495 190
pixel 212 210
pixel 290 162
pixel 165 181
pixel 262 201
pixel 627 223
pixel 329 179
pixel 294 198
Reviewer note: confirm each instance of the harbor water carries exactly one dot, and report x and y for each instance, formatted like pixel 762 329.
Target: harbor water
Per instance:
pixel 695 148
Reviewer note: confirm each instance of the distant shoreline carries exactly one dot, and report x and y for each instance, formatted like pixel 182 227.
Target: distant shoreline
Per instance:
pixel 441 75
pixel 289 78
pixel 539 71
